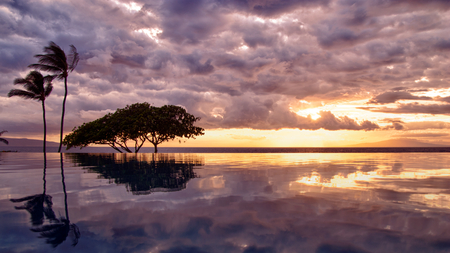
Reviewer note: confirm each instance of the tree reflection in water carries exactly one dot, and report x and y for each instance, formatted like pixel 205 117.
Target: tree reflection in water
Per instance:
pixel 141 173
pixel 39 205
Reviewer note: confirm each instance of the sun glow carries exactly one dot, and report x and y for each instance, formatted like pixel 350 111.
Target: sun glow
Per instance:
pixel 131 6
pixel 423 79
pixel 151 32
pixel 314 113
pixel 243 47
pixel 377 179
pixel 445 92
pixel 360 179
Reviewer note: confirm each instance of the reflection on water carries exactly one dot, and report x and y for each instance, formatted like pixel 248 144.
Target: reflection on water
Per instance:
pixel 426 185
pixel 142 174
pixel 39 205
pixel 228 202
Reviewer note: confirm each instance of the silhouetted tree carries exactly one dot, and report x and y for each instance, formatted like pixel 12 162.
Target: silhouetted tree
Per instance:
pixel 56 230
pixel 38 205
pixel 2 139
pixel 37 87
pixel 141 174
pixel 137 122
pixel 56 62
pixel 169 122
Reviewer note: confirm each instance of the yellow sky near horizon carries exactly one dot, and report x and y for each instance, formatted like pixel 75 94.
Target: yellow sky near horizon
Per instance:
pixel 240 67
pixel 246 137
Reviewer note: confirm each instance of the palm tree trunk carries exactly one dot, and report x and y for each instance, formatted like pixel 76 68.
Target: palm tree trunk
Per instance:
pixel 64 186
pixel 62 115
pixel 45 126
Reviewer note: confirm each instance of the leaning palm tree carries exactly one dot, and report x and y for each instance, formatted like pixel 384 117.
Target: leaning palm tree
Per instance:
pixel 56 62
pixel 2 139
pixel 37 87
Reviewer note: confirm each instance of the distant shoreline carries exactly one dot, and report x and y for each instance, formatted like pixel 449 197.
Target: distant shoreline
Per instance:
pixel 241 150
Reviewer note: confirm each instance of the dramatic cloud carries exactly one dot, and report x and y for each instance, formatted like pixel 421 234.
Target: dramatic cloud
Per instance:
pixel 425 125
pixel 392 97
pixel 413 108
pixel 235 64
pixel 396 124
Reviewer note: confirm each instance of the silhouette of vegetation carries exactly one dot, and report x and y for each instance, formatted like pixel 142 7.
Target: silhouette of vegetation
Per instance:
pixel 39 206
pixel 3 139
pixel 140 174
pixel 135 123
pixel 55 61
pixel 37 87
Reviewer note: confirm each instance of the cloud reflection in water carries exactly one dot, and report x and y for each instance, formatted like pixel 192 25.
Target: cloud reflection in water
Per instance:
pixel 255 203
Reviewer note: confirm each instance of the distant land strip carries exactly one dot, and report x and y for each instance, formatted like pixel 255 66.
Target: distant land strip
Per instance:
pixel 317 150
pixel 200 150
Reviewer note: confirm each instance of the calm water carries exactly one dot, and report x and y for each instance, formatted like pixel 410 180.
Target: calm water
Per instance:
pixel 260 202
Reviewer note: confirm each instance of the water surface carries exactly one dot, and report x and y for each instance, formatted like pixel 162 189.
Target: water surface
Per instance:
pixel 237 202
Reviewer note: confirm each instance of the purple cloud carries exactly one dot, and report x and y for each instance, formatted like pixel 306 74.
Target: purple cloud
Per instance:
pixel 232 56
pixel 392 97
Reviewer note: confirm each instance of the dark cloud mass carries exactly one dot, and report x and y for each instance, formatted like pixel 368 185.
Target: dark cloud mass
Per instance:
pixel 234 63
pixel 392 97
pixel 414 108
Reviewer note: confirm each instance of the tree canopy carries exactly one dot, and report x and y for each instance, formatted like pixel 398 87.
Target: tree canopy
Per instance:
pixel 136 124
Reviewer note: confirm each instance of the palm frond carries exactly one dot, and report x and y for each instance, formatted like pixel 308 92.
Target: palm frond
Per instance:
pixel 34 86
pixel 20 81
pixel 21 93
pixel 49 78
pixel 55 59
pixel 26 84
pixel 53 67
pixel 34 75
pixel 48 89
pixel 33 82
pixel 2 139
pixel 53 48
pixel 73 58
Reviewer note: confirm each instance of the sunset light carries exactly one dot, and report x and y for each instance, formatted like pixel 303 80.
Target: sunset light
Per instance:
pixel 179 126
pixel 294 73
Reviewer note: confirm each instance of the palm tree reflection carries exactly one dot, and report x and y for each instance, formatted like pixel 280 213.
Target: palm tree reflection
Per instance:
pixel 141 173
pixel 39 206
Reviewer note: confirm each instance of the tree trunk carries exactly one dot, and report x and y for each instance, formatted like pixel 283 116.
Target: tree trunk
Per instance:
pixel 64 186
pixel 62 115
pixel 156 148
pixel 45 126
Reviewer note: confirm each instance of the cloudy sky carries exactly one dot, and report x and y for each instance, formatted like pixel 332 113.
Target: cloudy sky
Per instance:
pixel 257 72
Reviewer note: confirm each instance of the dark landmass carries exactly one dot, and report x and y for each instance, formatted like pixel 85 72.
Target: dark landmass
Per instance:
pixel 23 142
pixel 400 143
pixel 396 146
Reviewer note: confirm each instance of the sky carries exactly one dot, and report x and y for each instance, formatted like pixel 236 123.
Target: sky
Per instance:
pixel 272 73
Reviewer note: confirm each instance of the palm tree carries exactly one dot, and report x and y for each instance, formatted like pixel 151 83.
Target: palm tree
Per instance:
pixel 2 139
pixel 37 87
pixel 56 62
